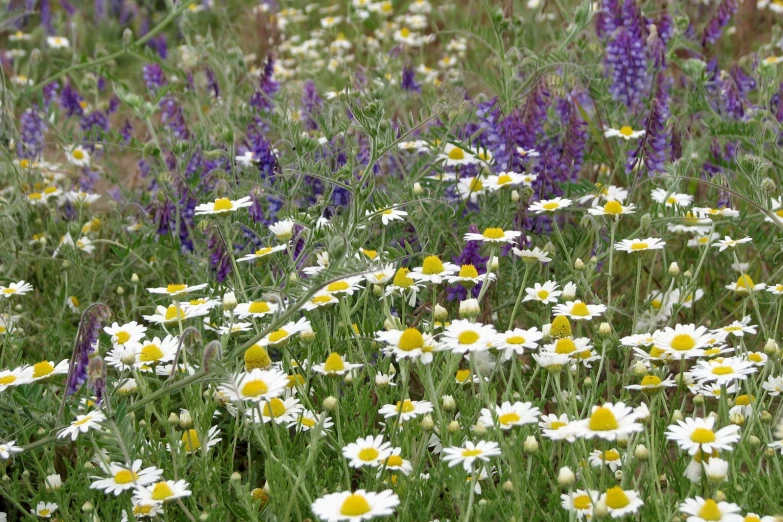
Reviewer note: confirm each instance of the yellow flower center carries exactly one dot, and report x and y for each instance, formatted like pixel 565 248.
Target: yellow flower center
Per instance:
pixel 625 130
pixel 190 441
pixel 78 154
pixel 722 370
pixel 74 301
pixel 610 455
pixel 561 327
pixel 150 353
pixel 651 380
pixel 462 375
pixel 405 406
pixel 744 400
pixel 338 286
pixel 401 278
pixel 580 309
pixel 82 422
pixel 468 337
pixel 161 491
pixel 582 502
pixel 263 251
pixel 683 342
pixel 656 304
pixel 616 498
pixel 755 357
pixel 504 179
pixel 457 154
pixel 295 380
pixel 476 185
pixel 551 205
pixel 35 196
pixel 703 435
pixel 613 207
pixel 745 282
pixel 321 299
pixel 278 335
pixel 306 421
pixel 556 425
pixel 710 511
pixel 468 271
pixel 174 312
pixel 565 346
pixel 277 408
pixel 50 190
pixel 641 245
pixel 44 512
pixel 142 510
pixel 494 233
pixel 368 454
pixel 125 476
pixel 258 307
pixel 222 204
pixel 372 254
pixel 122 337
pixel 254 388
pixel 432 266
pixel 394 461
pixel 509 418
pixel 411 339
pixel 334 363
pixel 354 506
pixel 516 339
pixel 405 32
pixel 603 419
pixel 7 379
pixel 42 369
pixel 471 452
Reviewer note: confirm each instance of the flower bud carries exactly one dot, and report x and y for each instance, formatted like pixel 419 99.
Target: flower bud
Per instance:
pixel 120 290
pixel 641 452
pixel 469 308
pixel 674 269
pixel 605 329
pixel 754 441
pixel 640 369
pixel 479 429
pixel 579 264
pixel 515 196
pixel 588 381
pixel 87 507
pixel 427 424
pixel 716 470
pixel 677 415
pixel 645 222
pixel 771 347
pixel 530 445
pixel 173 419
pixel 235 477
pixel 719 496
pixel 348 379
pixel 440 313
pixel 599 509
pixel 569 291
pixel 768 185
pixel 618 475
pixel 418 189
pixel 229 301
pixel 203 517
pixel 508 487
pixel 127 37
pixel 448 403
pixel 737 418
pixel 565 477
pixel 185 420
pixel 454 426
pixel 134 278
pixel 688 274
pixel 330 403
pixel 766 417
pixel 769 452
pixel 377 290
pixel 494 263
pixel 698 399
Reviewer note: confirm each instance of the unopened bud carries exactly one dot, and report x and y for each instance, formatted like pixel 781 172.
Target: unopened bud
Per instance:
pixel 688 274
pixel 377 290
pixel 674 269
pixel 427 424
pixel 588 381
pixel 600 510
pixel 508 487
pixel 448 403
pixel 235 477
pixel 440 313
pixel 135 278
pixel 87 507
pixel 771 347
pixel 677 415
pixel 330 403
pixel 185 420
pixel 737 418
pixel 515 196
pixel 494 263
pixel 229 301
pixel 754 441
pixel 579 264
pixel 639 369
pixel 530 445
pixel 173 419
pixel 469 308
pixel 766 417
pixel 120 290
pixel 418 189
pixel 641 452
pixel 768 185
pixel 127 36
pixel 565 477
pixel 719 496
pixel 698 399
pixel 605 328
pixel 454 426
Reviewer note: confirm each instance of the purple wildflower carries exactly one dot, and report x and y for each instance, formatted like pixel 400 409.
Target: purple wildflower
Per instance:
pixel 409 79
pixel 212 82
pixel 71 101
pixel 154 78
pixel 172 117
pixel 625 56
pixel 267 87
pixel 50 93
pixel 311 105
pixel 608 18
pixel 85 344
pixel 31 139
pixel 219 257
pixel 719 20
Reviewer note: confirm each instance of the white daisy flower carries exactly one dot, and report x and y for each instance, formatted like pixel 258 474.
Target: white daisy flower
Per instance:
pixel 515 341
pixel 621 502
pixel 684 340
pixel 367 451
pixel 190 442
pixel 669 199
pixel 545 294
pixel 347 506
pixel 44 370
pixel 335 365
pixel 550 205
pixel 405 410
pixel 57 42
pixel 705 510
pixel 388 215
pixel 608 422
pixel 580 502
pixel 283 230
pixel 625 132
pixel 610 458
pixel 738 328
pixel 507 415
pixel 162 491
pixel 471 452
pixel 536 255
pixel 556 427
pixel 454 156
pixel 612 208
pixel 157 351
pixel 727 242
pixel 494 235
pixel 247 159
pixel 722 371
pixel 82 424
pixel 528 153
pixel 276 410
pixel 123 477
pixel 462 336
pixel 176 289
pixel 45 509
pixel 7 449
pixel 281 335
pixel 128 334
pixel 504 180
pixel 256 385
pixel 471 188
pixel 78 156
pixel 433 270
pixel 579 311
pixel 19 288
pixel 262 252
pixel 696 435
pixel 347 286
pixel 745 285
pixel 639 245
pixel 15 377
pixel 255 309
pixel 308 420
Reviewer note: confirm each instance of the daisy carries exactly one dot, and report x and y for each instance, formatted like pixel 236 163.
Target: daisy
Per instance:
pixel 57 42
pixel 320 300
pixel 81 198
pixel 45 509
pixel 15 377
pixel 19 288
pixel 722 371
pixel 433 270
pixel 503 180
pixel 190 442
pixel 690 223
pixel 611 208
pixel 625 132
pixel 579 311
pixel 396 463
pixel 44 370
pixel 532 256
pixel 483 155
pixel 413 146
pixel 516 340
pixel 367 451
pixel 549 205
pixel 551 361
pixel 247 159
pixel 745 285
pixel 773 385
pixel 387 215
pixel 696 434
pixel 717 212
pixel 308 420
pixel 546 293
pixel 262 252
pixel 527 153
pixel 335 365
pixel 608 422
pixel 9 448
pixel 470 453
pixel 176 289
pixel 355 506
pixel 469 277
pixel 282 335
pixel 380 276
pixel 123 477
pixel 557 428
pixel 162 491
pixel 82 424
pixel 776 289
pixel 405 410
pixel 610 458
pixel 407 343
pixel 347 286
pixel 256 385
pixel 580 502
pixel 462 336
pixel 454 156
pixel 727 242
pixel 471 188
pixel 577 348
pixel 620 502
pixel 283 230
pixel 639 245
pixel 701 510
pixel 738 328
pixel 494 235
pixel 157 351
pixel 78 156
pixel 128 334
pixel 669 199
pixel 276 410
pixel 684 340
pixel 508 415
pixel 652 383
pixel 255 309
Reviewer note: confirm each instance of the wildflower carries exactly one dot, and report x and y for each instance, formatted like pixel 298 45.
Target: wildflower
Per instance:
pixel 82 424
pixel 45 369
pixel 468 276
pixel 255 309
pixel 669 199
pixel 610 458
pixel 405 410
pixel 652 383
pixel 276 410
pixel 580 502
pixel 494 235
pixel 162 491
pixel 471 188
pixel 577 310
pixel 9 448
pixel 347 286
pixel 504 179
pixel 15 377
pixel 433 270
pixel 722 371
pixel 45 509
pixel 256 385
pixel 128 334
pixel 462 336
pixel 191 443
pixel 738 328
pixel 612 208
pixel 78 156
pixel 124 477
pixel 471 452
pixel 510 415
pixel 367 451
pixel 745 285
pixel 19 288
pixel 408 343
pixel 528 153
pixel 157 351
pixel 335 365
pixel 516 340
pixel 354 506
pixel 625 132
pixel 620 502
pixel 283 230
pixel 454 156
pixel 608 422
pixel 282 335
pixel 176 289
pixel 57 42
pixel 550 205
pixel 701 510
pixel 536 255
pixel 262 252
pixel 696 434
pixel 683 340
pixel 308 420
pixel 639 245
